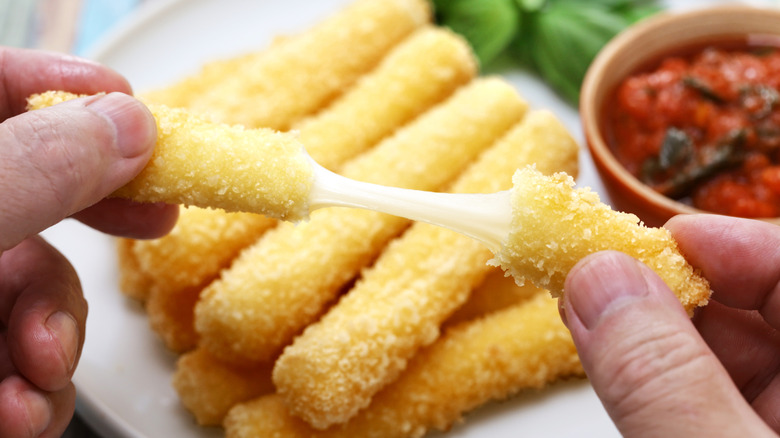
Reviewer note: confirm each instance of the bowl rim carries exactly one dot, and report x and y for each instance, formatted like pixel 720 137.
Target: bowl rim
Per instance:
pixel 590 108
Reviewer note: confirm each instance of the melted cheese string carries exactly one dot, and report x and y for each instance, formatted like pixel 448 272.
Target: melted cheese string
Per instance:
pixel 484 217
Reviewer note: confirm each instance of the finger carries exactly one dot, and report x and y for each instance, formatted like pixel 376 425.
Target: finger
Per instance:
pixel 651 370
pixel 740 258
pixel 744 343
pixel 124 218
pixel 63 405
pixel 24 72
pixel 44 312
pixel 747 347
pixel 26 411
pixel 57 161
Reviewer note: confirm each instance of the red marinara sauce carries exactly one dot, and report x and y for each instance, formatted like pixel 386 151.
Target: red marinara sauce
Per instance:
pixel 704 128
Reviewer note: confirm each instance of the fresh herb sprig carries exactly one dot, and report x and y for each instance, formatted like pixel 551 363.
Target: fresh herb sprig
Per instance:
pixel 556 38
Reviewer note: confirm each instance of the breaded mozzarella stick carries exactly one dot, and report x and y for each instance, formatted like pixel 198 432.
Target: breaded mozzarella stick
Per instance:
pixel 180 264
pixel 420 72
pixel 554 226
pixel 208 387
pixel 133 281
pixel 496 292
pixel 334 368
pixel 211 75
pixel 207 164
pixel 281 284
pixel 522 347
pixel 308 70
pixel 300 74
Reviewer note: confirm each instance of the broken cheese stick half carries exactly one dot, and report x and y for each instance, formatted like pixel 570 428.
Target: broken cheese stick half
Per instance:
pixel 555 225
pixel 206 164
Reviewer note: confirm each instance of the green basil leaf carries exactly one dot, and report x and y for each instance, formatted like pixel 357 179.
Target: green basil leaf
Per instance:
pixel 676 148
pixel 488 25
pixel 608 4
pixel 531 5
pixel 566 37
pixel 703 88
pixel 636 12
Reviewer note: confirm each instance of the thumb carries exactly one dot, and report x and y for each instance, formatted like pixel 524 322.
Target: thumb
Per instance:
pixel 57 161
pixel 646 361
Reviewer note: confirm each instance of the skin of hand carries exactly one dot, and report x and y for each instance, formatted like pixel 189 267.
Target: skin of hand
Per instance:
pixel 57 163
pixel 659 373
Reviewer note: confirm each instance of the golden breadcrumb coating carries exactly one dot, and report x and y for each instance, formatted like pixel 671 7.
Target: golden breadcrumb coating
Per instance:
pixel 183 262
pixel 186 257
pixel 208 387
pixel 554 226
pixel 420 72
pixel 496 292
pixel 133 281
pixel 196 162
pixel 281 284
pixel 521 347
pixel 334 368
pixel 210 77
pixel 297 75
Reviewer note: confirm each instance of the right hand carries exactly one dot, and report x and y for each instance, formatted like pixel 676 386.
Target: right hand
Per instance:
pixel 660 374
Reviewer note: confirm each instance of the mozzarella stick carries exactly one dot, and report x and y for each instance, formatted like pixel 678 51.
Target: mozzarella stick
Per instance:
pixel 554 226
pixel 334 368
pixel 209 387
pixel 523 347
pixel 496 292
pixel 133 281
pixel 210 76
pixel 180 264
pixel 196 162
pixel 421 71
pixel 299 74
pixel 282 283
pixel 186 256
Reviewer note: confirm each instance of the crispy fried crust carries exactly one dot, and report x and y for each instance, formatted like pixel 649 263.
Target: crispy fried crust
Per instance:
pixel 521 347
pixel 265 89
pixel 208 387
pixel 196 162
pixel 554 226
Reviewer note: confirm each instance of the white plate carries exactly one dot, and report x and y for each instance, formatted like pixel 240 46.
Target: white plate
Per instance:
pixel 123 379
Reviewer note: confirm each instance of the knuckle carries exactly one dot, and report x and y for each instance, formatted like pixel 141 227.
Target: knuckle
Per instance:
pixel 650 366
pixel 43 147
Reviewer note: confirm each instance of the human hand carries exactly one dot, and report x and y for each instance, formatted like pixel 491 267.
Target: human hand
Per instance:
pixel 55 163
pixel 657 372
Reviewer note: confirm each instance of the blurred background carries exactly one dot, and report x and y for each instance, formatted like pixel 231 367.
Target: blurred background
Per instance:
pixel 71 26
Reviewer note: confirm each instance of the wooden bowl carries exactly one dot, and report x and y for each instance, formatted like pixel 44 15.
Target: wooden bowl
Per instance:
pixel 649 40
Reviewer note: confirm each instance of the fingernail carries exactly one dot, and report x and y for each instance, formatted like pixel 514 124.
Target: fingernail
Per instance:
pixel 64 328
pixel 601 282
pixel 136 130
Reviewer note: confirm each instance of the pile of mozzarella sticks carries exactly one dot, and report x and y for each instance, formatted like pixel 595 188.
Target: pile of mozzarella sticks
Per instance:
pixel 355 323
